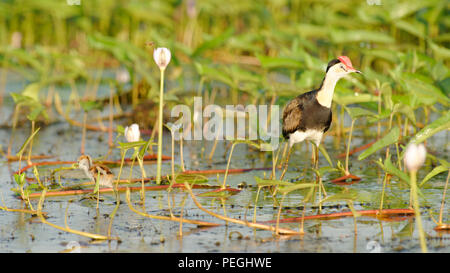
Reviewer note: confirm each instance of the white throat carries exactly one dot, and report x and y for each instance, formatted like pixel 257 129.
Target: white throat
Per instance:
pixel 85 166
pixel 325 94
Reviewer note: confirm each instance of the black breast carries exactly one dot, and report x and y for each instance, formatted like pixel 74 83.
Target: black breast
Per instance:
pixel 305 112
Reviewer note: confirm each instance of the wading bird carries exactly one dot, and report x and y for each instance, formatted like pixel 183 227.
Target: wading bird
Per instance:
pixel 308 116
pixel 102 173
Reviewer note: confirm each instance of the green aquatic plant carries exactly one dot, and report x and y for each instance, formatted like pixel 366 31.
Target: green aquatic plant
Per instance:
pixel 19 177
pixel 30 99
pixel 137 146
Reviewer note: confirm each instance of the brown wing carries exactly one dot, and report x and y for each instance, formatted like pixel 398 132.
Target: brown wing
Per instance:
pixel 99 168
pixel 292 117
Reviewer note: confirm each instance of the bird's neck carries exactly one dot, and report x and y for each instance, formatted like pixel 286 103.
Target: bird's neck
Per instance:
pixel 86 171
pixel 326 91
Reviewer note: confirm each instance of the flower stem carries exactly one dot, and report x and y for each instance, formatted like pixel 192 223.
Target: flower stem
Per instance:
pixel 173 163
pixel 382 193
pixel 423 244
pixel 160 129
pixel 181 153
pixel 443 200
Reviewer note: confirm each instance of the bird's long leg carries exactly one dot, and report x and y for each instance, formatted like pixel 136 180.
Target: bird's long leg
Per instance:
pixel 316 167
pixel 286 163
pixel 316 156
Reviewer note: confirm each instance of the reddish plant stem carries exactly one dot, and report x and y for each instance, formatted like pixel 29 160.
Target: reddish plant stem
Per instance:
pixel 213 171
pixel 16 158
pixel 374 213
pixel 357 149
pixel 442 227
pixel 342 180
pixel 48 163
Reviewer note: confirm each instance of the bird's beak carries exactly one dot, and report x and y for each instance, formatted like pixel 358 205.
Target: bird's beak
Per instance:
pixel 354 70
pixel 350 69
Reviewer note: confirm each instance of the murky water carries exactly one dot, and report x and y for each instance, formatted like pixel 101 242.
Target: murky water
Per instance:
pixel 20 232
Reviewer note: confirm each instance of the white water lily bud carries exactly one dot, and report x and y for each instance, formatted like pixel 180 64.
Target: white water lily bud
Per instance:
pixel 161 55
pixel 415 156
pixel 122 76
pixel 132 133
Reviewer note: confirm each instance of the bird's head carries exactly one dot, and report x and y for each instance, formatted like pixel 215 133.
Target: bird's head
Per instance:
pixel 84 162
pixel 340 67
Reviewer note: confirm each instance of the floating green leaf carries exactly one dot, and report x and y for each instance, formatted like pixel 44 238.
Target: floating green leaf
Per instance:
pixel 222 193
pixel 342 196
pixel 293 187
pixel 271 182
pixel 191 178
